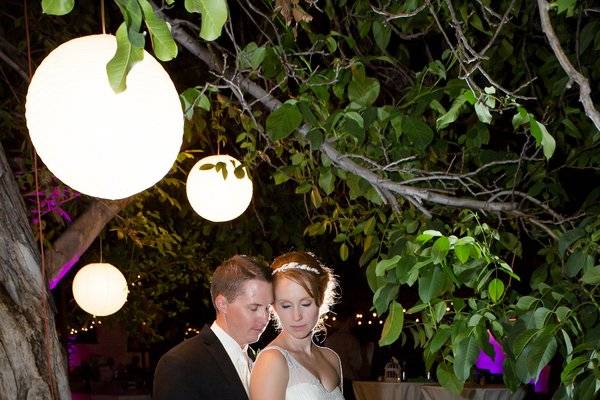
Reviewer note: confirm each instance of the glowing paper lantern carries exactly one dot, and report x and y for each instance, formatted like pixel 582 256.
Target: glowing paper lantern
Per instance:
pixel 96 141
pixel 100 289
pixel 214 197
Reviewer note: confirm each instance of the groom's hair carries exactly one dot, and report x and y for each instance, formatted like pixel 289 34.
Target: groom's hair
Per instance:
pixel 229 277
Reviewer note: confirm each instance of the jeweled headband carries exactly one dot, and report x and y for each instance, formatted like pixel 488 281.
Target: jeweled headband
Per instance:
pixel 295 265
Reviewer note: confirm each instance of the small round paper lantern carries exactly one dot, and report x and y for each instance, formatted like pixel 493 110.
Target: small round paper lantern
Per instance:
pixel 216 198
pixel 100 289
pixel 101 143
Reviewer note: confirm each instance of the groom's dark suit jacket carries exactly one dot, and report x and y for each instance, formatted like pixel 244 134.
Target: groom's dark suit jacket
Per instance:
pixel 197 369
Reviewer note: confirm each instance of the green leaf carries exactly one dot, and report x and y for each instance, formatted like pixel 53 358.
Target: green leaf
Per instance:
pixel 353 124
pixel 427 235
pixel 440 249
pixel 462 252
pixel 280 177
pixel 57 7
pixel 205 167
pixel 542 137
pixel 439 310
pixel 565 5
pixel 133 18
pixel 252 56
pixel 432 283
pixel 239 172
pixel 417 131
pixel 521 117
pixel 327 180
pixel 483 112
pixel 573 368
pixel 568 238
pixel 386 264
pixel 393 325
pixel 214 15
pixel 344 252
pixel 591 276
pixel 163 44
pixel 465 354
pixel 541 351
pixel 124 58
pixel 315 197
pixel 382 34
pixel 363 91
pixel 578 261
pixel 371 276
pixel 383 296
pixel 448 380
pixel 437 68
pixel 496 289
pixel 283 121
pixel 525 302
pixel 452 114
pixel 192 98
pixel 439 339
pixel 540 315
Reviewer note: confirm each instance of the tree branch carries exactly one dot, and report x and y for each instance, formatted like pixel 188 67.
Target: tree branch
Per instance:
pixel 584 85
pixel 381 184
pixel 78 237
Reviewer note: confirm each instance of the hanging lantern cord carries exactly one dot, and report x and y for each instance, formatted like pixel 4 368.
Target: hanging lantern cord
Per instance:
pixel 45 317
pixel 102 20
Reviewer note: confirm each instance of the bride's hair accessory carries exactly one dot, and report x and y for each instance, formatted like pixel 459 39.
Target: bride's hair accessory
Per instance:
pixel 295 265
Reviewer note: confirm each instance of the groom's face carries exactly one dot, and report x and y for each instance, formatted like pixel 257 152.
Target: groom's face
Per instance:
pixel 248 314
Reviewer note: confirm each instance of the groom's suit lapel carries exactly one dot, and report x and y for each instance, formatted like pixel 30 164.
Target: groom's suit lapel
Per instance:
pixel 222 360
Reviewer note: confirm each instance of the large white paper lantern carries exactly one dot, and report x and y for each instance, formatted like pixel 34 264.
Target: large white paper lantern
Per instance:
pixel 216 198
pixel 96 141
pixel 100 289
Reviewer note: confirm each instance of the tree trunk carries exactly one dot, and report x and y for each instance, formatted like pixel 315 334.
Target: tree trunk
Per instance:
pixel 31 359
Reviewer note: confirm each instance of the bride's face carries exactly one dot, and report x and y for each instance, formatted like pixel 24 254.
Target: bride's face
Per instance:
pixel 295 308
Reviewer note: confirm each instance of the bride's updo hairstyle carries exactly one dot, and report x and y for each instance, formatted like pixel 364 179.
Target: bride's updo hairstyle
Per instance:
pixel 308 271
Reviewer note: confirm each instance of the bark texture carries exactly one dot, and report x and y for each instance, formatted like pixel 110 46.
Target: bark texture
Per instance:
pixel 78 237
pixel 31 358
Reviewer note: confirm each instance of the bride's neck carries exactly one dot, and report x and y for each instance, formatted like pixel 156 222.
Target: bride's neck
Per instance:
pixel 303 345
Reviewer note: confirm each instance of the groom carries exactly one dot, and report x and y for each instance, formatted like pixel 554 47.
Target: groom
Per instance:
pixel 215 364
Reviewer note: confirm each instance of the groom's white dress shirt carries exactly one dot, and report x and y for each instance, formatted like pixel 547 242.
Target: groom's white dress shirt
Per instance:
pixel 237 354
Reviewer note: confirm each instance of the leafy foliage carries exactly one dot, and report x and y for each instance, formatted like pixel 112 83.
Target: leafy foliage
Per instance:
pixel 385 122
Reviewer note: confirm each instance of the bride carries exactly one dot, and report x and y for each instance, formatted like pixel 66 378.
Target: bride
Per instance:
pixel 292 367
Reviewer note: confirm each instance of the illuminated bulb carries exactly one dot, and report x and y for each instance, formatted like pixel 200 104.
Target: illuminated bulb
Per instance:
pixel 100 289
pixel 215 197
pixel 101 143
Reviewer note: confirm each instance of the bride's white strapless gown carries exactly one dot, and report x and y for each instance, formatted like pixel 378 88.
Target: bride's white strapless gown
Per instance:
pixel 303 385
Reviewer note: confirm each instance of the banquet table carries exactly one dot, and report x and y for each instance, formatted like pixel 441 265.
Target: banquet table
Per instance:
pixel 490 392
pixel 370 390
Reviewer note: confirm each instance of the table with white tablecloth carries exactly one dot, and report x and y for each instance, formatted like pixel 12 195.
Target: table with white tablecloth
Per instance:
pixel 369 390
pixel 431 392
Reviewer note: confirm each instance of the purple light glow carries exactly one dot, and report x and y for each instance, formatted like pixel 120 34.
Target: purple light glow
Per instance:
pixel 63 271
pixel 493 364
pixel 542 384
